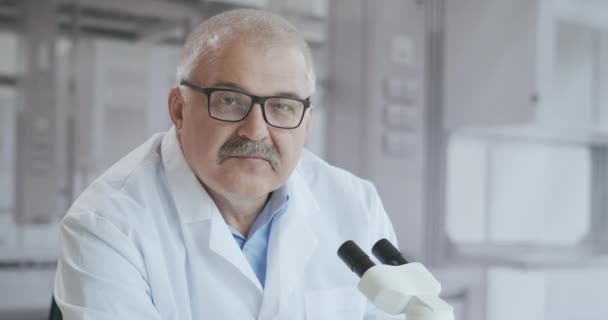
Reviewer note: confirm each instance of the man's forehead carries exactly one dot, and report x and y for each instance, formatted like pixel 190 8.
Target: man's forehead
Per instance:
pixel 273 72
pixel 264 58
pixel 281 71
pixel 285 91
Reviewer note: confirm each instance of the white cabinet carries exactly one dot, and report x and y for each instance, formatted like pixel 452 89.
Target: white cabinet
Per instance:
pixel 514 193
pixel 7 165
pixel 533 68
pixel 7 148
pixel 122 100
pixel 25 291
pixel 8 53
pixel 555 294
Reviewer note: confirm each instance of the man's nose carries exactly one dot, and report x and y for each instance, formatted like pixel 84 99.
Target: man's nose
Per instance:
pixel 254 126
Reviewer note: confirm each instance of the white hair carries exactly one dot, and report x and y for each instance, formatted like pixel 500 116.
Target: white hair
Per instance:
pixel 262 29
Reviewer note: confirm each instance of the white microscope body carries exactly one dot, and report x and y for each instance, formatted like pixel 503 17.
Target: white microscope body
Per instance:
pixel 408 288
pixel 397 286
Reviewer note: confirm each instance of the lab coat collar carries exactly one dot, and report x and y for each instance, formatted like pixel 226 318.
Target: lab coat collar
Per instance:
pixel 191 199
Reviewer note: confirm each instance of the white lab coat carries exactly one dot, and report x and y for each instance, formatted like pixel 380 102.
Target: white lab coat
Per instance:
pixel 145 241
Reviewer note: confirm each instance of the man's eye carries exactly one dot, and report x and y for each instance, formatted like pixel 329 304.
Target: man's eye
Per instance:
pixel 228 101
pixel 283 107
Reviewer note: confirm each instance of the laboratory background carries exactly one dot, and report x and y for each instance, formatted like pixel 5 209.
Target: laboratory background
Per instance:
pixel 482 123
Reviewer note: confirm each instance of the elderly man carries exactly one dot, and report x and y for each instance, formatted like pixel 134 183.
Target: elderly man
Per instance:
pixel 225 216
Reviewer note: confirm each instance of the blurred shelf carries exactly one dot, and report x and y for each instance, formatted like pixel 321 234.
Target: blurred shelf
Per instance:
pixel 547 134
pixel 529 257
pixel 14 257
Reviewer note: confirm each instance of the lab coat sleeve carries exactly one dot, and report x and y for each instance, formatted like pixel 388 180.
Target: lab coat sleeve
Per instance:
pixel 380 227
pixel 100 272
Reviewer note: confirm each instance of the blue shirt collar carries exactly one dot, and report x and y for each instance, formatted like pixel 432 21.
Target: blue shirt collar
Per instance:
pixel 273 209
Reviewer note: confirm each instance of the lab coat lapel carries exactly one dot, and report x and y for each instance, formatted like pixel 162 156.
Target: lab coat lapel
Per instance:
pixel 195 207
pixel 292 244
pixel 222 243
pixel 191 200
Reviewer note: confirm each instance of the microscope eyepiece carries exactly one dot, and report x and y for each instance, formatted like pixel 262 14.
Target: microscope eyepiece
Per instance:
pixel 355 258
pixel 387 253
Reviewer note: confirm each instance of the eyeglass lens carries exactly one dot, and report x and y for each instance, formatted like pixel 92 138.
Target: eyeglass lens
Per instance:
pixel 233 106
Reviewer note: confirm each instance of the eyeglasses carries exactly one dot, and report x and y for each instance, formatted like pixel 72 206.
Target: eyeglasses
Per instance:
pixel 233 106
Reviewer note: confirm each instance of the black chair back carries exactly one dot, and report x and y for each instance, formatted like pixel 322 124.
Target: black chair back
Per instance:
pixel 55 313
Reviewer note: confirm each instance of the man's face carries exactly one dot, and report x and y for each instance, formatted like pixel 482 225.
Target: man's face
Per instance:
pixel 263 72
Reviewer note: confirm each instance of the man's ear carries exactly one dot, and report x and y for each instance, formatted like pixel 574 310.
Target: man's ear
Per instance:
pixel 176 108
pixel 308 116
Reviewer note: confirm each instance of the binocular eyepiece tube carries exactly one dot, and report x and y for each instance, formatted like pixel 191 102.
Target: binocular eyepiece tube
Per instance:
pixel 359 262
pixel 387 253
pixel 355 258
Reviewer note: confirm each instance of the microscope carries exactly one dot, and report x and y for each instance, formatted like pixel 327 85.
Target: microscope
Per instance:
pixel 396 286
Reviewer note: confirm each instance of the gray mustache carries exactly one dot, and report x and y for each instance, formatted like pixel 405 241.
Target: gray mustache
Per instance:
pixel 240 146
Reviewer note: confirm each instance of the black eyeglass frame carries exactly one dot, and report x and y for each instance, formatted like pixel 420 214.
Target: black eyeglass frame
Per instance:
pixel 254 99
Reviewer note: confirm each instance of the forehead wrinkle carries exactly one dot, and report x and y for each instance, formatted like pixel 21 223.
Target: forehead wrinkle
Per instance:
pixel 240 76
pixel 235 86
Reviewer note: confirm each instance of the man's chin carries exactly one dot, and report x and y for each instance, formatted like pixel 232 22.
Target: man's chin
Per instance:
pixel 249 189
